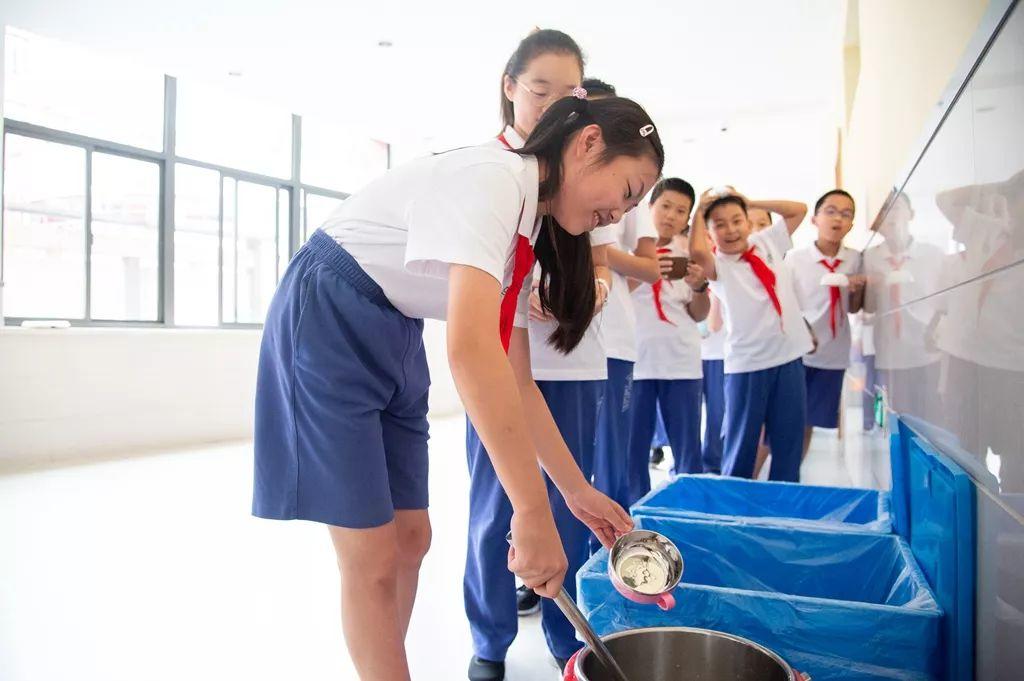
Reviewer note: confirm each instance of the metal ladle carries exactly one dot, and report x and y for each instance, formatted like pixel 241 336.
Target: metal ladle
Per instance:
pixel 582 627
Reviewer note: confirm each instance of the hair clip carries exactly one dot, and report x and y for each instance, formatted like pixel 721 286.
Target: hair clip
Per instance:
pixel 579 92
pixel 646 130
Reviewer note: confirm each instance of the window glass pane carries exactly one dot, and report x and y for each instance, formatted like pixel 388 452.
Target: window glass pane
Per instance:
pixel 56 85
pixel 229 252
pixel 196 247
pixel 125 238
pixel 250 250
pixel 334 157
pixel 217 127
pixel 44 229
pixel 318 209
pixel 257 250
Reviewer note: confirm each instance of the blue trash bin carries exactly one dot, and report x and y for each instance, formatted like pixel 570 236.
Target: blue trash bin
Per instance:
pixel 834 605
pixel 711 497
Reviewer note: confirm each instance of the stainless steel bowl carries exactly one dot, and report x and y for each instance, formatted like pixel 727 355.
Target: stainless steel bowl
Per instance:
pixel 685 654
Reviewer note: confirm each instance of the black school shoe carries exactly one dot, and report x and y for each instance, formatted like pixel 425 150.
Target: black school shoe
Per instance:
pixel 657 456
pixel 486 670
pixel 527 601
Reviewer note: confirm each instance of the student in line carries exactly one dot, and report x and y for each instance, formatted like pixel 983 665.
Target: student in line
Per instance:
pixel 667 374
pixel 341 403
pixel 826 307
pixel 767 336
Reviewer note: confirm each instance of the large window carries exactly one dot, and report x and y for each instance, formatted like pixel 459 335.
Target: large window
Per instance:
pixel 131 198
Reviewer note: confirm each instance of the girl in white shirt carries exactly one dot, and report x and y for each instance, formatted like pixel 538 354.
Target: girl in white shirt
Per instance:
pixel 631 256
pixel 341 404
pixel 545 64
pixel 667 373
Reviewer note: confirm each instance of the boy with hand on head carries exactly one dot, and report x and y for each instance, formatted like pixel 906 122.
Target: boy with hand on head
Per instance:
pixel 766 334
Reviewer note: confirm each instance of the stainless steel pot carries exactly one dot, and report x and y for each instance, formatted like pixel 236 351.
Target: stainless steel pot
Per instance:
pixel 683 654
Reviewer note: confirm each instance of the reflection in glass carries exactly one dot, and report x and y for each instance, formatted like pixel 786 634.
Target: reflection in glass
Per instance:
pixel 125 222
pixel 44 229
pixel 959 373
pixel 900 270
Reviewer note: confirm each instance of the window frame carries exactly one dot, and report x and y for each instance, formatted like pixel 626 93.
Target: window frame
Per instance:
pixel 167 160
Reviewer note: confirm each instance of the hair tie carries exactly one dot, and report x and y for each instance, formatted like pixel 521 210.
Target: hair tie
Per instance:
pixel 646 130
pixel 579 92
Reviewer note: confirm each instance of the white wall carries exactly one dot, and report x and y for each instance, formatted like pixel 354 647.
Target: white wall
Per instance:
pixel 82 393
pixel 85 393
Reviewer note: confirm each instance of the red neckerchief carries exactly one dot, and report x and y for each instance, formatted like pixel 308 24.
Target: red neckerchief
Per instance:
pixel 835 303
pixel 656 287
pixel 765 275
pixel 522 265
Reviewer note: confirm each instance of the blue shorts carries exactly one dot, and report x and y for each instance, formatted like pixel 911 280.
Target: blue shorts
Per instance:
pixel 341 397
pixel 824 390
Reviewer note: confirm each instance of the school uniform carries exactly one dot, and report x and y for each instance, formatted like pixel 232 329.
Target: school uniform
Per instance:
pixel 618 326
pixel 573 387
pixel 825 308
pixel 712 354
pixel 341 395
pixel 899 292
pixel 667 374
pixel 765 340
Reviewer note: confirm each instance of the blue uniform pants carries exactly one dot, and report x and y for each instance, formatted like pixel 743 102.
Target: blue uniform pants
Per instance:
pixel 488 586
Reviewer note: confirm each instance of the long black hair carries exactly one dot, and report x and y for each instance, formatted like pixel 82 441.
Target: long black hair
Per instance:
pixel 541 41
pixel 566 262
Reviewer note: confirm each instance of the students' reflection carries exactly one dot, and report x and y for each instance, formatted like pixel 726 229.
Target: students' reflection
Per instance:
pixel 979 327
pixel 901 274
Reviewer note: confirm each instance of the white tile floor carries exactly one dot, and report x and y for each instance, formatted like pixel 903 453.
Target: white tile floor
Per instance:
pixel 151 568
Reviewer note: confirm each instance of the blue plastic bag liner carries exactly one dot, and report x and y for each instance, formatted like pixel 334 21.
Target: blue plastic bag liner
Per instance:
pixel 942 538
pixel 711 497
pixel 834 605
pixel 899 499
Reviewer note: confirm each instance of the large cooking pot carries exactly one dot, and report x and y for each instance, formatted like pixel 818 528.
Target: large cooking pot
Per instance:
pixel 682 654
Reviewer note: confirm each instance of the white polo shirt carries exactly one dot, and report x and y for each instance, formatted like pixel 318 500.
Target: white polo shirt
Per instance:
pixel 815 303
pixel 757 338
pixel 587 361
pixel 712 345
pixel 619 325
pixel 463 207
pixel 666 350
pixel 903 304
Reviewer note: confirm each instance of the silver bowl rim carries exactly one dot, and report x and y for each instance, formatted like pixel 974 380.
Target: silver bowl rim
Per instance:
pixel 620 545
pixel 691 630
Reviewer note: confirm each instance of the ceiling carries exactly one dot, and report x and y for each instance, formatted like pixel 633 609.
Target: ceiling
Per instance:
pixel 694 65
